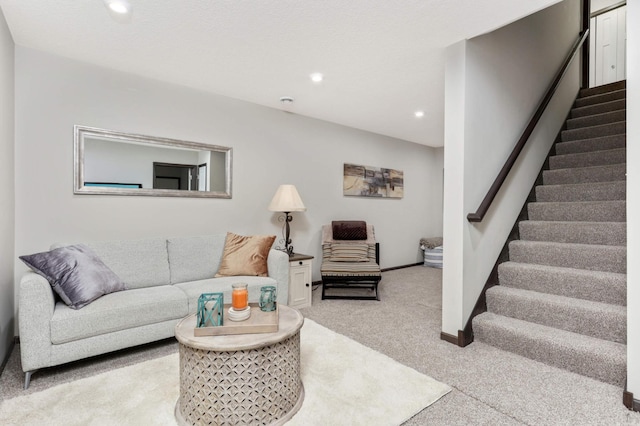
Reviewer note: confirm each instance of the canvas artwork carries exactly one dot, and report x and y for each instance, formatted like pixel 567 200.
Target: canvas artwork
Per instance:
pixel 366 181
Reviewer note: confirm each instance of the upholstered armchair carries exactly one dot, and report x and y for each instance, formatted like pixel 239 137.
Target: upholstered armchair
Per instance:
pixel 350 260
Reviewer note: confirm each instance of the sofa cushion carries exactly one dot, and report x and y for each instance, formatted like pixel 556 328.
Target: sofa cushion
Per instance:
pixel 245 255
pixel 194 289
pixel 139 263
pixel 118 311
pixel 75 273
pixel 194 258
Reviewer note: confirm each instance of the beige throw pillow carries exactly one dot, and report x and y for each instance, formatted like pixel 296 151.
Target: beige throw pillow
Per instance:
pixel 245 255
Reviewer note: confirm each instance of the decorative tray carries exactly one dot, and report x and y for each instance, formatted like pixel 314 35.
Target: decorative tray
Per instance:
pixel 258 322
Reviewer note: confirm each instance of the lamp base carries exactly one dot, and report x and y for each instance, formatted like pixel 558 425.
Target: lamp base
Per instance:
pixel 286 231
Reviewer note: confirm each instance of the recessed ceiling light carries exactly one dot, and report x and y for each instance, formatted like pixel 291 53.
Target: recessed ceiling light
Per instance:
pixel 316 77
pixel 118 7
pixel 419 114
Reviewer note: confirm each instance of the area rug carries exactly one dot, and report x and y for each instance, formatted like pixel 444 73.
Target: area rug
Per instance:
pixel 345 383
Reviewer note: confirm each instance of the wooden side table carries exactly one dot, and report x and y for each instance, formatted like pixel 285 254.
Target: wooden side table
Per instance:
pixel 240 379
pixel 300 267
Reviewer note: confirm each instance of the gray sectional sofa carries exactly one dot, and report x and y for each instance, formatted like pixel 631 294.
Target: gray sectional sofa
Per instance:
pixel 163 279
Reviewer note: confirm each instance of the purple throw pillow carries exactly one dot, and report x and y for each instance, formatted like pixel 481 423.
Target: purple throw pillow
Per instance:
pixel 75 273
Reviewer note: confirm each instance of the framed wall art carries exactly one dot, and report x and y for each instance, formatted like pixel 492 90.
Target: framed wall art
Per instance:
pixel 367 181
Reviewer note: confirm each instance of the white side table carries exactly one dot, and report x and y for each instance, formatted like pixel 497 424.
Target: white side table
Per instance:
pixel 300 280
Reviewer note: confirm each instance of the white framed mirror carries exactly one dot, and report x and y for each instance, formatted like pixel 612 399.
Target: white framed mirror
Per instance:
pixel 109 162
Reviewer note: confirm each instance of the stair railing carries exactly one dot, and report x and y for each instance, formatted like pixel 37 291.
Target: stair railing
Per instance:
pixel 479 214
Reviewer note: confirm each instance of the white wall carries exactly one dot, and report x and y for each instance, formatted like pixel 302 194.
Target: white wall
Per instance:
pixel 270 147
pixel 453 200
pixel 7 193
pixel 633 200
pixel 503 76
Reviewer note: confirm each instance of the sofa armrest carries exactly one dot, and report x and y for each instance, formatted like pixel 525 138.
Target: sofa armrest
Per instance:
pixel 278 265
pixel 35 310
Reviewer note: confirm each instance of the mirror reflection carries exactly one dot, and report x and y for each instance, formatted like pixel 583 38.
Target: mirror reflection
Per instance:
pixel 110 162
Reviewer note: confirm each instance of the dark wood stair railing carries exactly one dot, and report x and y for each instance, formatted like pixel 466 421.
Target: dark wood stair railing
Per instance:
pixel 479 214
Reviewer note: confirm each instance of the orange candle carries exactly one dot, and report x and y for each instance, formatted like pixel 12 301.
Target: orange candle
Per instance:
pixel 239 296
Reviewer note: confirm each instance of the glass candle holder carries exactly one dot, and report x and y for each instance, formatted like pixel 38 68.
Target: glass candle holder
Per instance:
pixel 267 298
pixel 210 306
pixel 239 296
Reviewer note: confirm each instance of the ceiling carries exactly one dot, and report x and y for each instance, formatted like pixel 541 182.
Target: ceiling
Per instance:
pixel 382 60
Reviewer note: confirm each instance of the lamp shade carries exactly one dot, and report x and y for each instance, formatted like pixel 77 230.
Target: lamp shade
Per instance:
pixel 287 199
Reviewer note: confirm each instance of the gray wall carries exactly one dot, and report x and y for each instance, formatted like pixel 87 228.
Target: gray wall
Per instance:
pixel 270 147
pixel 7 199
pixel 493 85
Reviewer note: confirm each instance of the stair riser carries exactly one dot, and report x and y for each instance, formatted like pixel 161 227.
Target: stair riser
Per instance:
pixel 607 322
pixel 598 108
pixel 600 233
pixel 606 88
pixel 562 298
pixel 594 144
pixel 588 159
pixel 611 173
pixel 597 120
pixel 591 364
pixel 585 285
pixel 601 98
pixel 586 211
pixel 600 191
pixel 583 256
pixel 618 128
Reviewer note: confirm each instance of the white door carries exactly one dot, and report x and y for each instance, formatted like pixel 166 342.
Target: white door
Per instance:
pixel 610 46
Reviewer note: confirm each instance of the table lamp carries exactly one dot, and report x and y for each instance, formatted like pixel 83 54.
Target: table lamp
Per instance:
pixel 287 200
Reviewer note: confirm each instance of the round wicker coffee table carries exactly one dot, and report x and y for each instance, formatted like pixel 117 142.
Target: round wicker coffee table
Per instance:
pixel 240 379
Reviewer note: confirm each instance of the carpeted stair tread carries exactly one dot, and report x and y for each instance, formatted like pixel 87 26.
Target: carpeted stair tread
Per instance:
pixel 598 108
pixel 562 293
pixel 592 144
pixel 596 358
pixel 597 191
pixel 591 257
pixel 597 119
pixel 596 319
pixel 587 159
pixel 605 287
pixel 601 233
pixel 583 211
pixel 600 98
pixel 611 172
pixel 617 128
pixel 605 88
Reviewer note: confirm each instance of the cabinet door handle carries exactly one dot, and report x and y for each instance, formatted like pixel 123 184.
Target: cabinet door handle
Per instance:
pixel 307 284
pixel 300 263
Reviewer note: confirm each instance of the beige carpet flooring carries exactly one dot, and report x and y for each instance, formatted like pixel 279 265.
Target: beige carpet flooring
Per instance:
pixel 345 383
pixel 490 387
